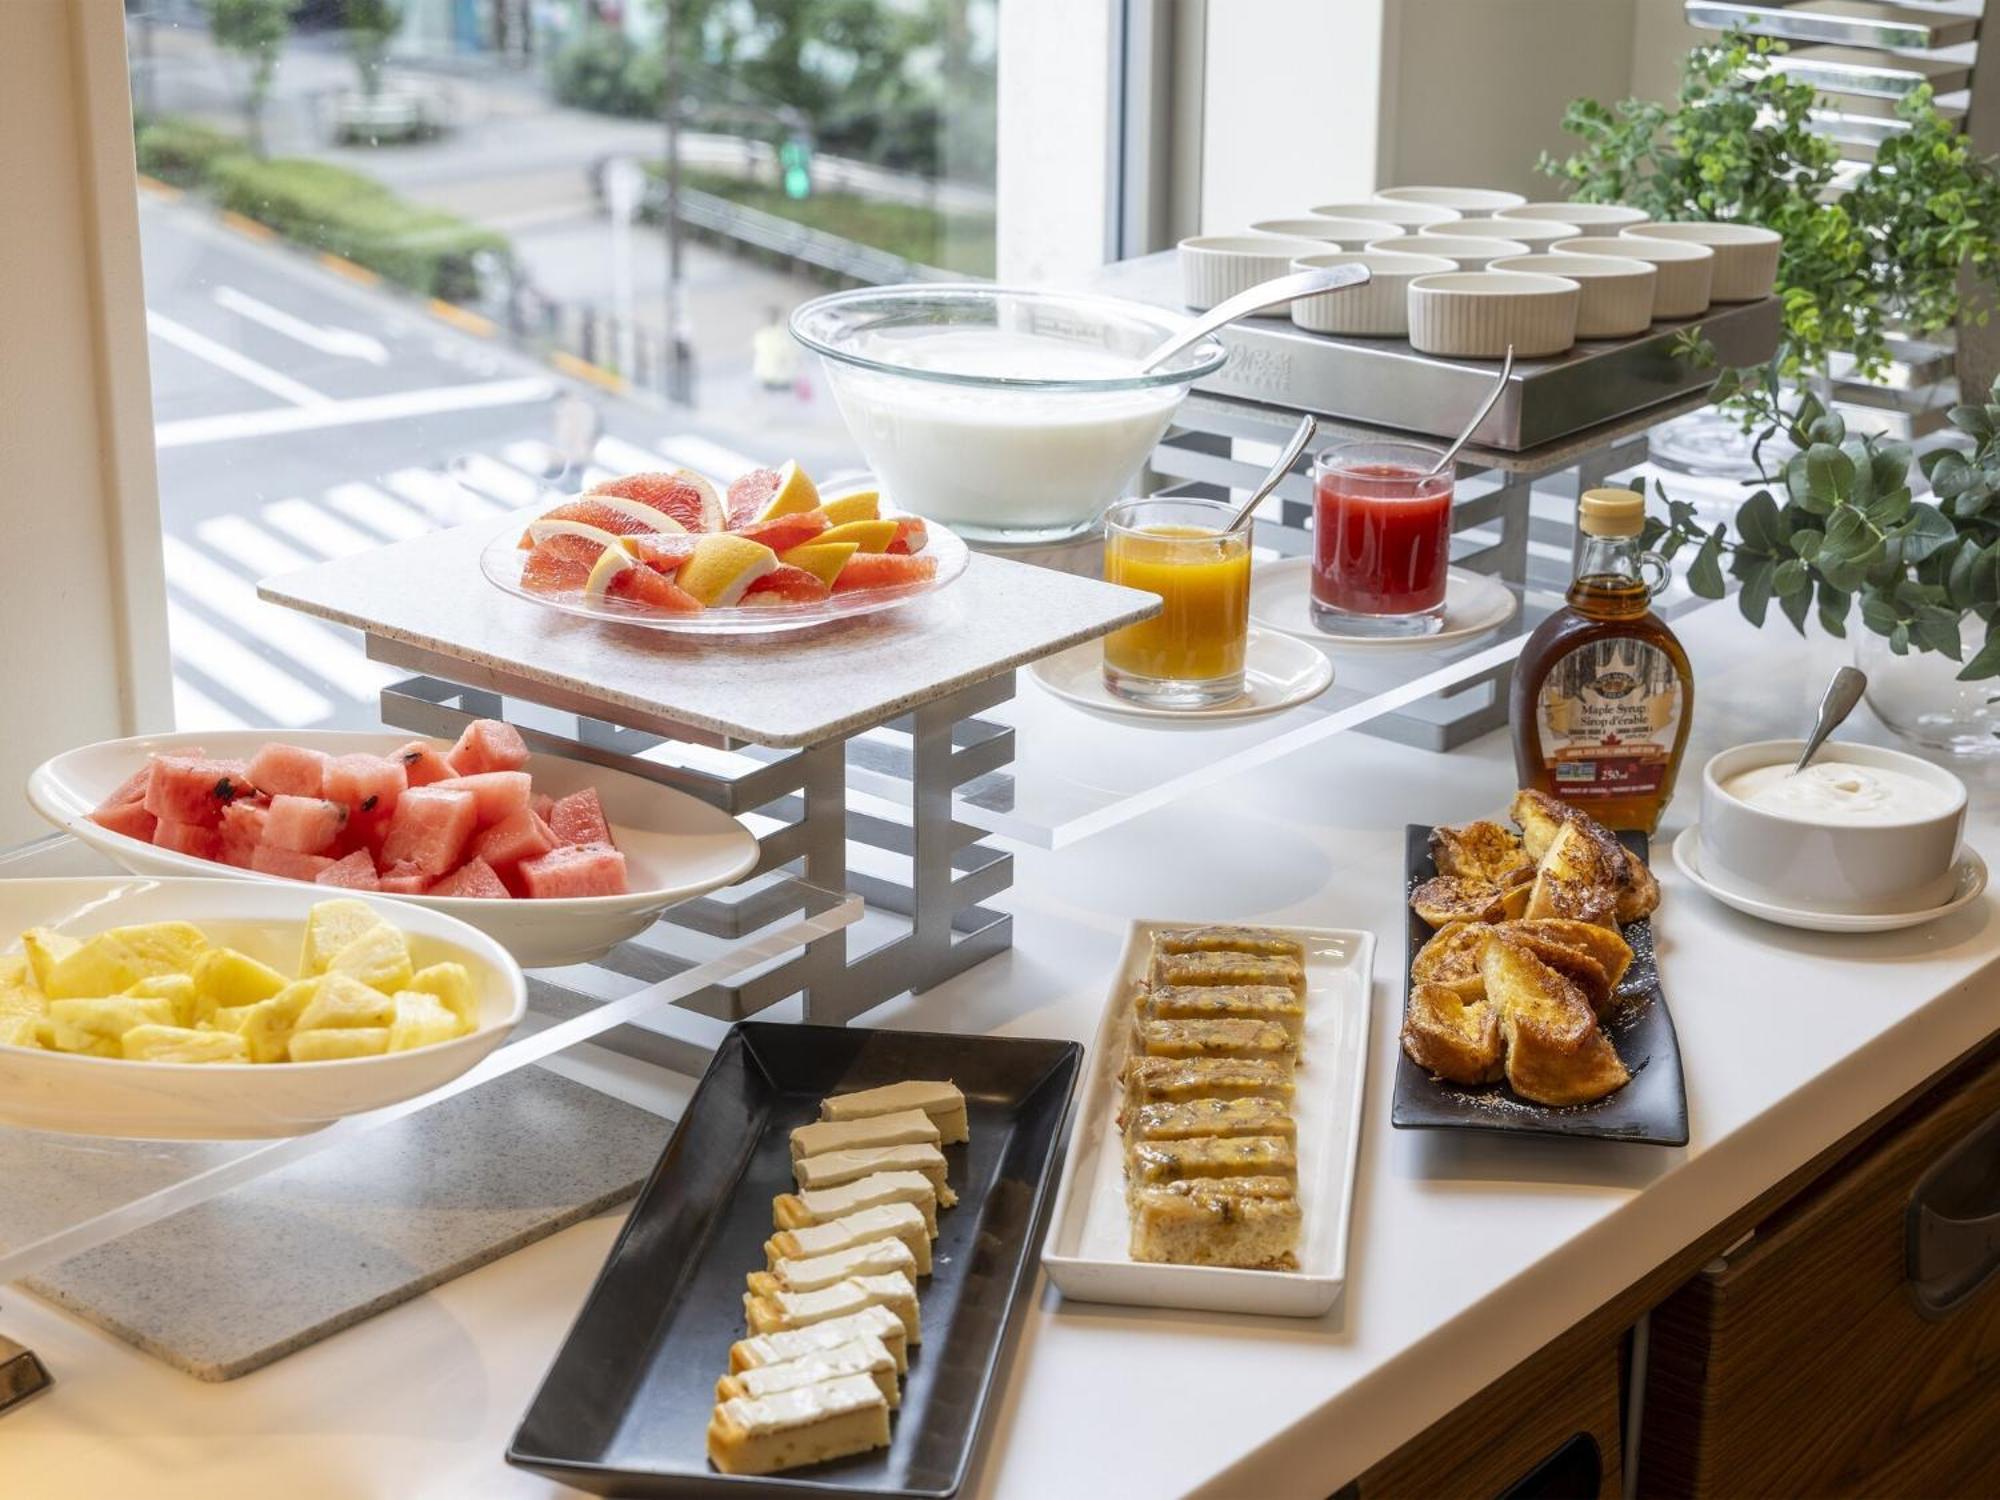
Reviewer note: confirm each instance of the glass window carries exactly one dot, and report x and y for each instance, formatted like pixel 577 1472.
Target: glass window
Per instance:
pixel 410 264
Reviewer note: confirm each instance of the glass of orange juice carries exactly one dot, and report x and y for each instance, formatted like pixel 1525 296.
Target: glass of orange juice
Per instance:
pixel 1189 655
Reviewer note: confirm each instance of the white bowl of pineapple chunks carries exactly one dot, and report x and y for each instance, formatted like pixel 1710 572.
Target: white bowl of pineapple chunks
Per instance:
pixel 181 1009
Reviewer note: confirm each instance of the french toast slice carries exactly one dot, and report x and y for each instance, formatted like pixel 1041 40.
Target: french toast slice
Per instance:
pixel 1578 965
pixel 1451 959
pixel 1455 898
pixel 1454 1037
pixel 1609 948
pixel 1534 1000
pixel 1514 901
pixel 1550 1075
pixel 1541 815
pixel 1481 850
pixel 1639 896
pixel 1579 877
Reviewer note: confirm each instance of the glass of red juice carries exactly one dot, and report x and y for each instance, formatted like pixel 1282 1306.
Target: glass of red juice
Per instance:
pixel 1381 539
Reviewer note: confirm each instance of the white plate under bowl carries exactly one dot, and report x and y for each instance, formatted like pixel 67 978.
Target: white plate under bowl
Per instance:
pixel 502 559
pixel 1277 675
pixel 675 846
pixel 1085 1254
pixel 1281 600
pixel 108 1096
pixel 1970 873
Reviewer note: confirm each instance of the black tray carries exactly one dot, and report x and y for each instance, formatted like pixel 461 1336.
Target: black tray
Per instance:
pixel 1651 1109
pixel 624 1409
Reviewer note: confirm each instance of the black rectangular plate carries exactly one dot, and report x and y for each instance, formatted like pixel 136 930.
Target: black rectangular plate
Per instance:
pixel 1651 1109
pixel 624 1409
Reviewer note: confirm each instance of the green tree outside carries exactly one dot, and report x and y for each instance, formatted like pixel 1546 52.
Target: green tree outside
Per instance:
pixel 255 30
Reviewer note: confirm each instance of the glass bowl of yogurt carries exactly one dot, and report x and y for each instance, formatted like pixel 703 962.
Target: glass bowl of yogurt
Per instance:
pixel 1863 830
pixel 1012 416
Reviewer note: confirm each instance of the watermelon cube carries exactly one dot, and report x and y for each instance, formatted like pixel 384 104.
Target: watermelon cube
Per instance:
pixel 488 745
pixel 366 783
pixel 473 878
pixel 356 872
pixel 242 831
pixel 193 789
pixel 287 770
pixel 518 836
pixel 133 787
pixel 500 794
pixel 575 870
pixel 269 859
pixel 128 818
pixel 579 819
pixel 542 804
pixel 423 763
pixel 403 880
pixel 189 838
pixel 305 825
pixel 430 829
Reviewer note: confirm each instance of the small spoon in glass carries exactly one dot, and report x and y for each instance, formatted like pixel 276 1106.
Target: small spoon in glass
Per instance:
pixel 1841 695
pixel 1278 289
pixel 1273 476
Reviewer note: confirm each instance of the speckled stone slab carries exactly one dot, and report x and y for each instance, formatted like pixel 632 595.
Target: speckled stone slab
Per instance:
pixel 788 689
pixel 258 1273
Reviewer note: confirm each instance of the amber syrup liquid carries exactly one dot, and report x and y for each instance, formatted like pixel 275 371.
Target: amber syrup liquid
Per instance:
pixel 1601 606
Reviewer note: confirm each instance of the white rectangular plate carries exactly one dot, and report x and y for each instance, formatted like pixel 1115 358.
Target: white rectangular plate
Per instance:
pixel 1086 1252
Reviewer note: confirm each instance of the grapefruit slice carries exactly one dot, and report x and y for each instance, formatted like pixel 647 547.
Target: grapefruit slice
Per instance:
pixel 610 563
pixel 786 532
pixel 869 536
pixel 911 535
pixel 664 553
pixel 765 494
pixel 610 513
pixel 883 570
pixel 786 585
pixel 862 505
pixel 683 496
pixel 723 566
pixel 540 531
pixel 560 564
pixel 823 560
pixel 650 590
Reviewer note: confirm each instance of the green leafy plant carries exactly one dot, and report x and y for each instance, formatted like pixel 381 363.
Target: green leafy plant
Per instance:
pixel 1839 526
pixel 1738 144
pixel 371 26
pixel 255 30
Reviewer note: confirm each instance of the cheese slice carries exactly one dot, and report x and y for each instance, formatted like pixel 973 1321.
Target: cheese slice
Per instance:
pixel 900 1128
pixel 782 1310
pixel 901 1221
pixel 866 1355
pixel 941 1100
pixel 874 1258
pixel 779 1348
pixel 808 1424
pixel 832 1168
pixel 822 1205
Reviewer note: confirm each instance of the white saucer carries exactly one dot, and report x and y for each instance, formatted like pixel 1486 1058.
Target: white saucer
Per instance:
pixel 1278 673
pixel 1970 872
pixel 1281 599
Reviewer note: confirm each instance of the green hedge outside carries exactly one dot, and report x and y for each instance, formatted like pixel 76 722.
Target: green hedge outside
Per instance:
pixel 183 152
pixel 330 208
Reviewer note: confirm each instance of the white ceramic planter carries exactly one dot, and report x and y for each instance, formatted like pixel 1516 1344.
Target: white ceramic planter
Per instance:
pixel 1615 294
pixel 1477 315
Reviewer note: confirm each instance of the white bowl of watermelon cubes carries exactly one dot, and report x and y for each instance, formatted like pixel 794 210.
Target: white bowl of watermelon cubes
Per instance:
pixel 557 861
pixel 671 551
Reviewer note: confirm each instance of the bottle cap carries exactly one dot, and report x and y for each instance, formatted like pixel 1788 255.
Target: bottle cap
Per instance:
pixel 1611 512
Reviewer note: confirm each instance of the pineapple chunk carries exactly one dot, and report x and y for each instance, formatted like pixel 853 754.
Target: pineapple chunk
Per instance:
pixel 228 1018
pixel 224 978
pixel 332 1043
pixel 452 984
pixel 176 989
pixel 20 1031
pixel 114 961
pixel 45 949
pixel 269 1024
pixel 95 1026
pixel 181 1044
pixel 422 1020
pixel 344 1000
pixel 19 994
pixel 378 958
pixel 331 926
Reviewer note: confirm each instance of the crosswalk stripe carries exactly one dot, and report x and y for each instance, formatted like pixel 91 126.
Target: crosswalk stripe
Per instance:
pixel 372 508
pixel 243 541
pixel 222 660
pixel 194 709
pixel 440 497
pixel 313 646
pixel 327 535
pixel 489 476
pixel 706 457
pixel 624 457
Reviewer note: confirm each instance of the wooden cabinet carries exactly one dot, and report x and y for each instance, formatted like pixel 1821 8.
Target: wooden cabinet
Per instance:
pixel 1803 1363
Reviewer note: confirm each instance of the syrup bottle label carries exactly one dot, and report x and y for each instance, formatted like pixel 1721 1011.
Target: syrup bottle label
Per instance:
pixel 1608 714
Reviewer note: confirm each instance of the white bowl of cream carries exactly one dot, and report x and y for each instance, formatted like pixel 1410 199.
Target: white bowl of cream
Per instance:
pixel 1861 830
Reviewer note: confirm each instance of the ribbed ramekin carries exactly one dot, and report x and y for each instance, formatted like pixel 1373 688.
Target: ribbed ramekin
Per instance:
pixel 1615 292
pixel 1746 255
pixel 1591 218
pixel 1686 271
pixel 1477 314
pixel 1218 266
pixel 1466 200
pixel 1468 252
pixel 1380 307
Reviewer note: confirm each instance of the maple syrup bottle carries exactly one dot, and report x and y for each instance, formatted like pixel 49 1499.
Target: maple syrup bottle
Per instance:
pixel 1603 695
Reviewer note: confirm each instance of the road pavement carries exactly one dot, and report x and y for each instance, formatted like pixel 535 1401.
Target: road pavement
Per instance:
pixel 301 417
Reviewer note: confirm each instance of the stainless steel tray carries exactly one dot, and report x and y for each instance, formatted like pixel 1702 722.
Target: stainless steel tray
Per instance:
pixel 1386 383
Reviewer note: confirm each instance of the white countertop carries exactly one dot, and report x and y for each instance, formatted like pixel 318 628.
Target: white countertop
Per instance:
pixel 1468 1252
